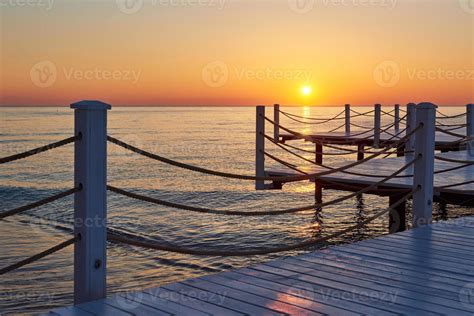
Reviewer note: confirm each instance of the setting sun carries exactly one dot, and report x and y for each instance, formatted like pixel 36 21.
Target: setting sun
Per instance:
pixel 306 90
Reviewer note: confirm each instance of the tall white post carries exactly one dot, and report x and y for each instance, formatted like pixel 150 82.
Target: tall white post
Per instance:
pixel 411 122
pixel 377 124
pixel 90 204
pixel 396 115
pixel 347 112
pixel 470 128
pixel 260 147
pixel 424 166
pixel 276 119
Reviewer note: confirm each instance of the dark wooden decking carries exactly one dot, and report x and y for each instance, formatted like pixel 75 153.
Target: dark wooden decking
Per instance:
pixel 424 271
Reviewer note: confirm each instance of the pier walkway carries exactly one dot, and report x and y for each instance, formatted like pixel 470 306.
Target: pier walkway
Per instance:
pixel 423 271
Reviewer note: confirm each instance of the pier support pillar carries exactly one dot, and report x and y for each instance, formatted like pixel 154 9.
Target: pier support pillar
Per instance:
pixel 470 128
pixel 347 112
pixel 90 204
pixel 396 115
pixel 377 124
pixel 319 154
pixel 276 126
pixel 260 147
pixel 424 166
pixel 397 216
pixel 411 122
pixel 360 152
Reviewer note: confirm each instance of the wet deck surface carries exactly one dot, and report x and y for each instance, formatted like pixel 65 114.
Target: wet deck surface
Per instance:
pixel 425 271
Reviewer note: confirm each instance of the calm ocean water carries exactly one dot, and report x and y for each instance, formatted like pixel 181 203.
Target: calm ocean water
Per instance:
pixel 216 138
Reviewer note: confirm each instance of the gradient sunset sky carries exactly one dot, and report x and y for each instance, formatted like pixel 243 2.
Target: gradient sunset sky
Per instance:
pixel 237 52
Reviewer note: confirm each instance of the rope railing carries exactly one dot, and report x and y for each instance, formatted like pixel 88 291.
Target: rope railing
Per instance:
pixel 467 162
pixel 236 253
pixel 297 118
pixel 260 213
pixel 325 166
pixel 39 255
pixel 447 132
pixel 363 113
pixel 39 149
pixel 444 116
pixel 451 125
pixel 39 203
pixel 310 176
pixel 455 184
pixel 284 163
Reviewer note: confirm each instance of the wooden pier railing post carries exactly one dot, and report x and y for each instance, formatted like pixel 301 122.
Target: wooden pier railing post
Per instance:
pixel 276 119
pixel 347 112
pixel 411 123
pixel 90 204
pixel 424 167
pixel 377 124
pixel 260 147
pixel 470 128
pixel 396 115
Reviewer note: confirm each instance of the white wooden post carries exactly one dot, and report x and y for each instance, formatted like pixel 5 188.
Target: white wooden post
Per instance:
pixel 411 122
pixel 470 128
pixel 377 118
pixel 396 115
pixel 276 119
pixel 347 113
pixel 90 204
pixel 424 166
pixel 260 148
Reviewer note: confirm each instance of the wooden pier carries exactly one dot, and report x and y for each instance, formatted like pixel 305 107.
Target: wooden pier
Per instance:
pixel 424 271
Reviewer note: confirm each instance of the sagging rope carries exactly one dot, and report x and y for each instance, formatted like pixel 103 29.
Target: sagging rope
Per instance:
pixel 455 184
pixel 235 253
pixel 325 166
pixel 362 114
pixel 39 203
pixel 258 213
pixel 40 149
pixel 451 125
pixel 39 255
pixel 284 163
pixel 447 132
pixel 310 176
pixel 295 117
pixel 467 162
pixel 444 116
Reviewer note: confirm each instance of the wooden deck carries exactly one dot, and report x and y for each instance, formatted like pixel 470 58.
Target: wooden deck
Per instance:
pixel 458 194
pixel 424 271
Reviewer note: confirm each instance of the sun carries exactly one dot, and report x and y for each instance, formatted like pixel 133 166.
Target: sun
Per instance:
pixel 306 90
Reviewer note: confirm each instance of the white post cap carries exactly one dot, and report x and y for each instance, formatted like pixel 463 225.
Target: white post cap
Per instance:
pixel 90 105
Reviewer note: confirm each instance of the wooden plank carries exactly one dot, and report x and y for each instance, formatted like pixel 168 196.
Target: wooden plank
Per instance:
pixel 405 297
pixel 189 300
pixel 263 297
pixel 100 307
pixel 255 282
pixel 135 307
pixel 69 311
pixel 167 304
pixel 366 298
pixel 212 294
pixel 289 301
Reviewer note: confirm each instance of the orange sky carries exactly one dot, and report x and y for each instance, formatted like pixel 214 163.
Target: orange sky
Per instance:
pixel 237 52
